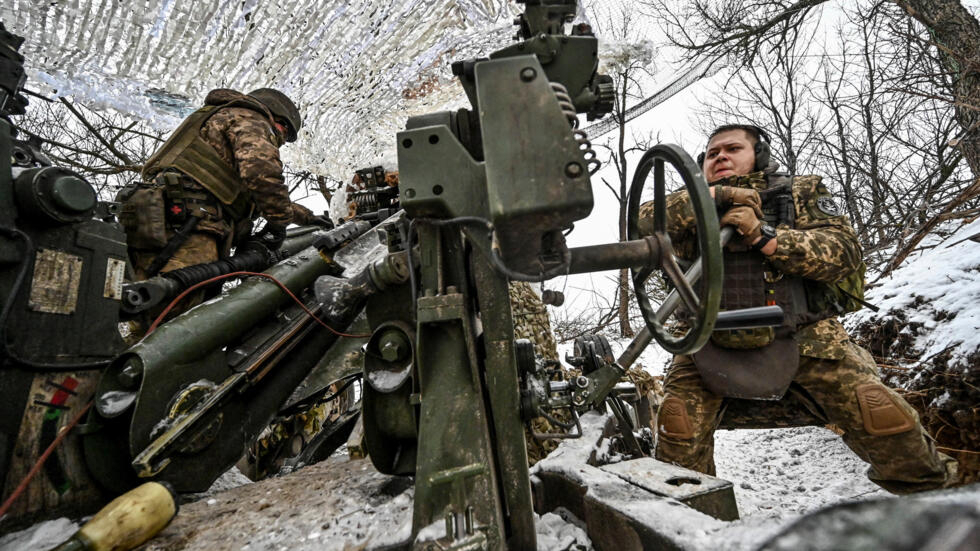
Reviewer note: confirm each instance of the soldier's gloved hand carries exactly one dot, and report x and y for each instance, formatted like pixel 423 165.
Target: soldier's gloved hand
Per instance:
pixel 730 196
pixel 321 221
pixel 745 222
pixel 272 235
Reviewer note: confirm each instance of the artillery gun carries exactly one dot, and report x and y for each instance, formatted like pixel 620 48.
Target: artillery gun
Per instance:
pixel 487 194
pixel 207 384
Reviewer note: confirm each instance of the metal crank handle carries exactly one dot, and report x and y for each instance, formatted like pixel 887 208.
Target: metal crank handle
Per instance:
pixel 645 337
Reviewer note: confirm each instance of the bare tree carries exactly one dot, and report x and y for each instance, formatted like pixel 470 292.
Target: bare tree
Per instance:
pixel 933 56
pixel 105 147
pixel 628 59
pixel 773 94
pixel 887 144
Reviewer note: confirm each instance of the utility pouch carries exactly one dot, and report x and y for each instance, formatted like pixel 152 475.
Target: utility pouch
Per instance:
pixel 143 217
pixel 174 201
pixel 757 374
pixel 744 339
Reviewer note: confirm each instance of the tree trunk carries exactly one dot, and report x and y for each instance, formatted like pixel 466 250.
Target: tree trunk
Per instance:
pixel 625 330
pixel 957 34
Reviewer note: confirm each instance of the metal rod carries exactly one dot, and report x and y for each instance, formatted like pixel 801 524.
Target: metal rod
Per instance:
pixel 644 337
pixel 614 256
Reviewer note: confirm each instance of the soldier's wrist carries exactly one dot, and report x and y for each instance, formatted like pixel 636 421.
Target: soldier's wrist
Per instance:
pixel 766 241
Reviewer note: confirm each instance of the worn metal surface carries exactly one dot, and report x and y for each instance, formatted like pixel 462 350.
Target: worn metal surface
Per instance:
pixel 191 350
pixel 54 287
pixel 503 386
pixel 710 495
pixel 454 421
pixel 64 486
pixel 533 187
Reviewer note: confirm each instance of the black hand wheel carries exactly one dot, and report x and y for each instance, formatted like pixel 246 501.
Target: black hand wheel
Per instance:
pixel 704 308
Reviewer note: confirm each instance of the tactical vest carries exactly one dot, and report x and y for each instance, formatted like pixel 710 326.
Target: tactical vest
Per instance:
pixel 186 151
pixel 750 281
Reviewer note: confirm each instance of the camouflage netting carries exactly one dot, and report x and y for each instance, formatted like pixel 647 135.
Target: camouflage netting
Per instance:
pixel 356 70
pixel 943 388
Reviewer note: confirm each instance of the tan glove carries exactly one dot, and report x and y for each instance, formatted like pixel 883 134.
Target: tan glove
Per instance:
pixel 301 215
pixel 729 196
pixel 745 222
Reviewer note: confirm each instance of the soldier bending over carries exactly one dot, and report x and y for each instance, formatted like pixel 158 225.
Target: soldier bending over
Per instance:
pixel 215 174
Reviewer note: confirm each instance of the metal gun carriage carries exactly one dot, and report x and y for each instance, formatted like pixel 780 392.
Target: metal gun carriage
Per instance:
pixel 486 194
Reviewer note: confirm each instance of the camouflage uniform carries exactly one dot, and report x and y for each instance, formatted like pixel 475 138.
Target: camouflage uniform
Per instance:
pixel 841 377
pixel 243 136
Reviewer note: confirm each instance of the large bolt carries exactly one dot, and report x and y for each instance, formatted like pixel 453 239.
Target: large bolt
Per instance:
pixel 393 346
pixel 528 74
pixel 391 352
pixel 573 170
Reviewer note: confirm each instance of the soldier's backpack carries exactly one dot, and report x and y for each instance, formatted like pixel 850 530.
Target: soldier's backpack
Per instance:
pixel 840 297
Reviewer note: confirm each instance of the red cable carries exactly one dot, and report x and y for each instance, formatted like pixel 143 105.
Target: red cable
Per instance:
pixel 40 461
pixel 180 297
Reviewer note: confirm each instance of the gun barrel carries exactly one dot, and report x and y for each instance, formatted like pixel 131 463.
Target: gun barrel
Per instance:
pixel 247 350
pixel 143 295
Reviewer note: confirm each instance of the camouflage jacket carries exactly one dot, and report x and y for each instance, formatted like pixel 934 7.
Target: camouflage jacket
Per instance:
pixel 822 247
pixel 246 140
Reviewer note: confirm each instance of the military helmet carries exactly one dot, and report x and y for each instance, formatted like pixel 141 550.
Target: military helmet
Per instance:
pixel 282 107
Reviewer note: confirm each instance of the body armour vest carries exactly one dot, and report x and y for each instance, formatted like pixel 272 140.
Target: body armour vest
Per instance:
pixel 749 281
pixel 757 363
pixel 186 151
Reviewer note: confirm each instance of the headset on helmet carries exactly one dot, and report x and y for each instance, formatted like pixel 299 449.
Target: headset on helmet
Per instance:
pixel 281 107
pixel 763 152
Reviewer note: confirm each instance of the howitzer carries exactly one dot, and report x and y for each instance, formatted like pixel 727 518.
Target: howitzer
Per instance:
pixel 489 193
pixel 189 396
pixel 183 403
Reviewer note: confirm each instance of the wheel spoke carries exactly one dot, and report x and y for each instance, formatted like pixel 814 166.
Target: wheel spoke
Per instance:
pixel 659 198
pixel 676 276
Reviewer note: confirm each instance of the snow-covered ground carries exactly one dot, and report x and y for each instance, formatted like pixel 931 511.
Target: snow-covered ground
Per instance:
pixel 779 475
pixel 938 291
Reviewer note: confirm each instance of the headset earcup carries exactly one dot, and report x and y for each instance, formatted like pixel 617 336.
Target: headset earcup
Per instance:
pixel 762 155
pixel 700 160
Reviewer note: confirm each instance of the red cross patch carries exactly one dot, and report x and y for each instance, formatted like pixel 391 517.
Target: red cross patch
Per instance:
pixel 176 209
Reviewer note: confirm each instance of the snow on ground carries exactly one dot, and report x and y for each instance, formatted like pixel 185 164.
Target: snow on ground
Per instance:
pixel 939 289
pixel 778 474
pixel 40 537
pixel 783 473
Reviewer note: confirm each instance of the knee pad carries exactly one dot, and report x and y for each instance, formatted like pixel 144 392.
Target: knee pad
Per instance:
pixel 673 419
pixel 881 414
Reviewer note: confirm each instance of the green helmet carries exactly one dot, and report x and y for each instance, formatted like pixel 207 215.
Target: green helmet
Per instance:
pixel 282 107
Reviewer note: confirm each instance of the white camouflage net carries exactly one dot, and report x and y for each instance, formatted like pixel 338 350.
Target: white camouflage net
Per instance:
pixel 357 70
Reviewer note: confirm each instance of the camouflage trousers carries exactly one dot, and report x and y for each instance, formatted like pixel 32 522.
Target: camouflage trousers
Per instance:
pixel 198 249
pixel 877 423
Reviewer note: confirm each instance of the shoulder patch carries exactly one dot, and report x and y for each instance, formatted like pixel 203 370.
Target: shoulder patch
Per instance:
pixel 828 206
